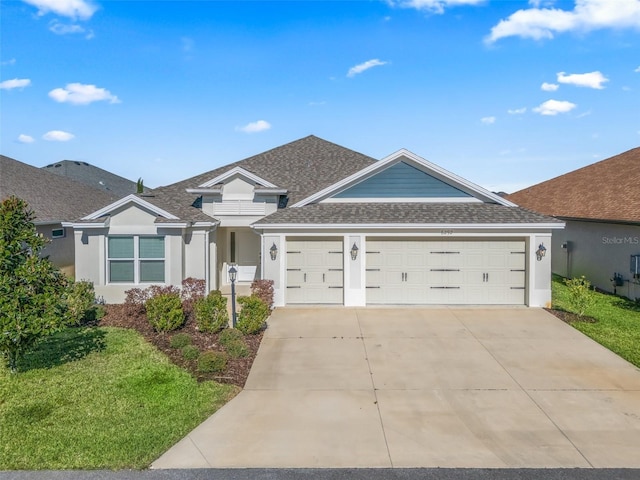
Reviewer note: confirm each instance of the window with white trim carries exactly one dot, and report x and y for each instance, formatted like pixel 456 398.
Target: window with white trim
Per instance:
pixel 135 259
pixel 57 233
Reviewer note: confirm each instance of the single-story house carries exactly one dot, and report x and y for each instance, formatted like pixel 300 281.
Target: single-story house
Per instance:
pixel 600 205
pixel 329 226
pixel 54 200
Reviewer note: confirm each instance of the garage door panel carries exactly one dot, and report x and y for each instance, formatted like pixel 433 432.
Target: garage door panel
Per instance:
pixel 314 271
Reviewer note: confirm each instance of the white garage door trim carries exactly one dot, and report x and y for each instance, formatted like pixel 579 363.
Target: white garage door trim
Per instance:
pixel 454 272
pixel 315 271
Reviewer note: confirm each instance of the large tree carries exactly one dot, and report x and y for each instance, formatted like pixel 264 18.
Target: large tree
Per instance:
pixel 32 289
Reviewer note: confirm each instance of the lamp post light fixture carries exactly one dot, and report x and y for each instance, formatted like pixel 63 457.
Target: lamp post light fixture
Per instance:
pixel 273 251
pixel 542 250
pixel 233 274
pixel 354 251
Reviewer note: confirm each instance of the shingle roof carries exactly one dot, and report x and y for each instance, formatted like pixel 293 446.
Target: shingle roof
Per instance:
pixel 606 190
pixel 404 213
pixel 93 176
pixel 303 167
pixel 52 197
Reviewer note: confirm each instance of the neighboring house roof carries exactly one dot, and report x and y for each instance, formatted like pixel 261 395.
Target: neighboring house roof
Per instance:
pixel 606 190
pixel 93 176
pixel 53 198
pixel 404 213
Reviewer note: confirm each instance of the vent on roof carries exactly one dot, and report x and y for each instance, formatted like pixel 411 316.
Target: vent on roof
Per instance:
pixel 85 163
pixel 77 163
pixel 57 165
pixel 151 195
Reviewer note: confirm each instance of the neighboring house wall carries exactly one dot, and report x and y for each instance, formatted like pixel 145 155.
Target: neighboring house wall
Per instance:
pixel 597 250
pixel 60 250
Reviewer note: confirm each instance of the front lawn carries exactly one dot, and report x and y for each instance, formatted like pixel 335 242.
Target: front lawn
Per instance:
pixel 617 324
pixel 98 398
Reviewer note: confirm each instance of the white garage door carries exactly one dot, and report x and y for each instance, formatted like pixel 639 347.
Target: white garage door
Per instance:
pixel 314 271
pixel 471 272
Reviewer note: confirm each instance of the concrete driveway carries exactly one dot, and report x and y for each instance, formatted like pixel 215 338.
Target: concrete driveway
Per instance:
pixel 423 387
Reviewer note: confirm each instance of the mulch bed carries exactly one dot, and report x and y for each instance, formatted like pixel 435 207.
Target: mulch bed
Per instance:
pixel 237 369
pixel 569 317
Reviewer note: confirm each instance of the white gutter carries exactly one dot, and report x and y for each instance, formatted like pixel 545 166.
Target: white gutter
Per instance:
pixel 399 226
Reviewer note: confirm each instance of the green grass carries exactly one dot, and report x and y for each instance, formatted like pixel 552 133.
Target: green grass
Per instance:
pixel 618 321
pixel 98 398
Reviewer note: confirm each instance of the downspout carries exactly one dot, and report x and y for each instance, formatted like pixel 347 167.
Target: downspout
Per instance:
pixel 207 267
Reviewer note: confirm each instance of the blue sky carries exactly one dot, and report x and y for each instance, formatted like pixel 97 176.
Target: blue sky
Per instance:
pixel 503 93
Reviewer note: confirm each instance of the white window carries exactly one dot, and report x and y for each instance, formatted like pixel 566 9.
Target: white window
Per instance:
pixel 135 259
pixel 57 233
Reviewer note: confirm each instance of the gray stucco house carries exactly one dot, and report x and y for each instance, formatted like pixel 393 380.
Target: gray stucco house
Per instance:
pixel 329 226
pixel 600 205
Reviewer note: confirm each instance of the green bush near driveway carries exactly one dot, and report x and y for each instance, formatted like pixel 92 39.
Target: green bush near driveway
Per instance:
pixel 211 312
pixel 164 312
pixel 253 315
pixel 617 325
pixel 98 398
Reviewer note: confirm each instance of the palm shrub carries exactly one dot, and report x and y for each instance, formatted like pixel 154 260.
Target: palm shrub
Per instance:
pixel 253 315
pixel 211 312
pixel 164 312
pixel 580 296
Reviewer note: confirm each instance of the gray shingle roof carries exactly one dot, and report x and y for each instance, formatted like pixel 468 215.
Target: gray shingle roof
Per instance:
pixel 52 197
pixel 93 176
pixel 303 167
pixel 404 213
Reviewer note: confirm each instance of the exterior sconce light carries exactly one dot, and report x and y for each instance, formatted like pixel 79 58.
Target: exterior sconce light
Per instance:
pixel 273 251
pixel 541 251
pixel 354 251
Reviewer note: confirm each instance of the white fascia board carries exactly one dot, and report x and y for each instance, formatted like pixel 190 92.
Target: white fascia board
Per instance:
pixel 206 224
pixel 205 191
pixel 396 157
pixel 404 226
pixel 238 171
pixel 403 200
pixel 172 225
pixel 81 226
pixel 126 200
pixel 271 191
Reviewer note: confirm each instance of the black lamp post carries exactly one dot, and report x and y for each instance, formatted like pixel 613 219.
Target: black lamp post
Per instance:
pixel 232 276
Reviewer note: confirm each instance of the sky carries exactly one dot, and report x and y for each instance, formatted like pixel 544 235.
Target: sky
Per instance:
pixel 503 93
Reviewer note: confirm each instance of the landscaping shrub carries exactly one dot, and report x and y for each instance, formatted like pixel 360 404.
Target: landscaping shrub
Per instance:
pixel 164 312
pixel 229 335
pixel 190 352
pixel 192 290
pixel 580 295
pixel 237 349
pixel 211 312
pixel 212 362
pixel 134 301
pixel 253 315
pixel 263 289
pixel 180 340
pixel 80 301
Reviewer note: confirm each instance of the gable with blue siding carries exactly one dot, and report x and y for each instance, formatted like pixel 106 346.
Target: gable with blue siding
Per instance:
pixel 402 181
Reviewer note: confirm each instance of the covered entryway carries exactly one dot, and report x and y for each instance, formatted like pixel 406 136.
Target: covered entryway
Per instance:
pixel 458 272
pixel 315 270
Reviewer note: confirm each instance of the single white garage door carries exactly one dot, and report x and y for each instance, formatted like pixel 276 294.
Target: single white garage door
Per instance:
pixel 469 272
pixel 314 271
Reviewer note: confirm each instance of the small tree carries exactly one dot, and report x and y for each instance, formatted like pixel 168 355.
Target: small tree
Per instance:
pixel 140 185
pixel 32 289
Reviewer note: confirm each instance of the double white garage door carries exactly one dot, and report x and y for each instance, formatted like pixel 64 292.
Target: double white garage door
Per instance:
pixel 411 271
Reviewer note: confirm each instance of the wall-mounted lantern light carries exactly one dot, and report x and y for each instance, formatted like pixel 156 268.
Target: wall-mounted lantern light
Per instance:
pixel 354 251
pixel 273 251
pixel 542 250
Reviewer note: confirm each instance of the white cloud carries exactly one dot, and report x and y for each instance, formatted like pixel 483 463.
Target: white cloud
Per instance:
pixel 554 107
pixel 15 83
pixel 58 136
pixel 22 138
pixel 254 127
pixel 317 104
pixel 637 70
pixel 81 9
pixel 67 29
pixel 434 6
pixel 488 120
pixel 353 71
pixel 590 80
pixel 517 111
pixel 538 23
pixel 12 61
pixel 549 87
pixel 80 94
